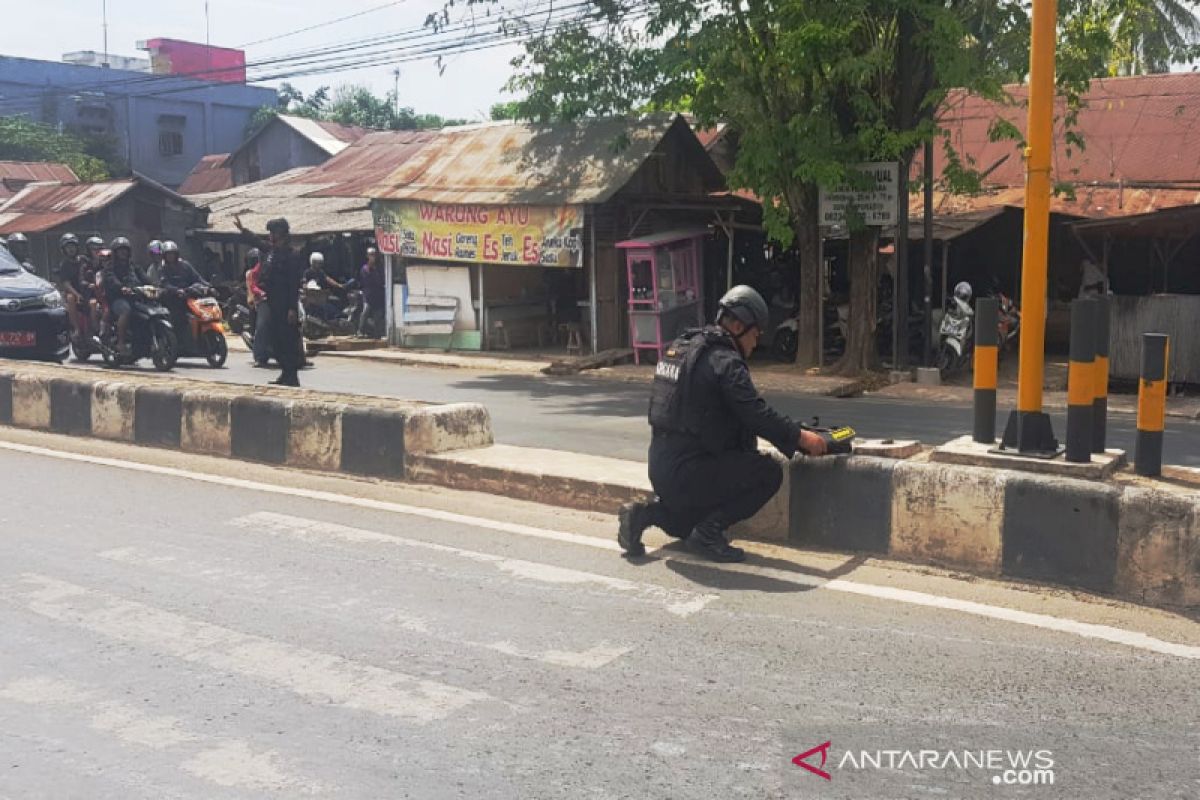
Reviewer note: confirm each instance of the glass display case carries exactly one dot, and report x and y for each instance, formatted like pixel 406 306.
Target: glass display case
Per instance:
pixel 664 288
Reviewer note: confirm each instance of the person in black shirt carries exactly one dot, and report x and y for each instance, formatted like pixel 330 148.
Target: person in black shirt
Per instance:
pixel 707 418
pixel 280 278
pixel 176 276
pixel 119 280
pixel 72 281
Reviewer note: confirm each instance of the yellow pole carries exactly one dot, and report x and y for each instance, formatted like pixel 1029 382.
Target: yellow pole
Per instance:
pixel 1029 431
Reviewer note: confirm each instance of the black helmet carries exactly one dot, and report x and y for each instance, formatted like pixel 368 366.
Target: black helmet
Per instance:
pixel 95 243
pixel 746 305
pixel 253 257
pixel 66 239
pixel 120 242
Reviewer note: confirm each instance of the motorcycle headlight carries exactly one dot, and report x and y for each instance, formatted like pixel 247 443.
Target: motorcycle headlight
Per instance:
pixel 52 300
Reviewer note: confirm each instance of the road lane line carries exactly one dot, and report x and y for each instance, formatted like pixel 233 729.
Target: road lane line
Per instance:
pixel 677 602
pixel 259 585
pixel 231 763
pixel 319 676
pixel 326 497
pixel 1087 630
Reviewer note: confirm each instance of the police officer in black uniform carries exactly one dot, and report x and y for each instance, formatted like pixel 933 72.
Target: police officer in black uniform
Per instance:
pixel 706 418
pixel 281 277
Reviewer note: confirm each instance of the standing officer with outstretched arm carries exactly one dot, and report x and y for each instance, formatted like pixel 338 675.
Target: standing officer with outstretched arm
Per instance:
pixel 706 418
pixel 280 278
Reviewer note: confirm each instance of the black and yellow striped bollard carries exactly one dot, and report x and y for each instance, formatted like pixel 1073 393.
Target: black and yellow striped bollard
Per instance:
pixel 1100 405
pixel 1152 405
pixel 987 358
pixel 1081 381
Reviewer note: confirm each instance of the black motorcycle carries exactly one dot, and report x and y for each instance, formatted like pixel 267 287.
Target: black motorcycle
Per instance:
pixel 150 334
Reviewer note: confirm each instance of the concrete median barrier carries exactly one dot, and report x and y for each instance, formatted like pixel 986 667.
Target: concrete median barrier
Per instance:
pixel 374 437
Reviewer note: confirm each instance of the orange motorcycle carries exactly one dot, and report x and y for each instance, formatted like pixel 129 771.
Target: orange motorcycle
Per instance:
pixel 202 331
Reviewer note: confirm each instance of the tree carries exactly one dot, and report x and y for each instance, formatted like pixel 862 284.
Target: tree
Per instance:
pixel 1150 35
pixel 24 140
pixel 505 111
pixel 350 104
pixel 810 87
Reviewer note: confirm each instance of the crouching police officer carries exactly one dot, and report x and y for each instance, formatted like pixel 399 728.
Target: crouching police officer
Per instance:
pixel 706 417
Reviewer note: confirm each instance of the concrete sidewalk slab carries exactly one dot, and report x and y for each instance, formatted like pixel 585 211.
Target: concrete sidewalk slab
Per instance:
pixel 967 452
pixel 411 358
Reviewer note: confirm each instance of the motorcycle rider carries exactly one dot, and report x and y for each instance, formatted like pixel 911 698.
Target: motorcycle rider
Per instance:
pixel 316 274
pixel 119 280
pixel 18 245
pixel 73 281
pixel 706 418
pixel 256 296
pixel 92 248
pixel 176 278
pixel 155 259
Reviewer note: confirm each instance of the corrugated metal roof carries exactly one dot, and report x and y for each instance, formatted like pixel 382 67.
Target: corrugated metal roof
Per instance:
pixel 285 195
pixel 497 163
pixel 1088 201
pixel 42 206
pixel 1140 130
pixel 16 175
pixel 209 175
pixel 332 137
pixel 355 171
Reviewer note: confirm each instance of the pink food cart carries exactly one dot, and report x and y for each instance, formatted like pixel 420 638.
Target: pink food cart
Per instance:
pixel 664 288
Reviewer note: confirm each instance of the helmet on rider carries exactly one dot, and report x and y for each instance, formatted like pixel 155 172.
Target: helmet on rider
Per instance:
pixel 154 248
pixel 95 243
pixel 104 255
pixel 963 292
pixel 316 260
pixel 18 245
pixel 745 305
pixel 68 240
pixel 169 247
pixel 252 258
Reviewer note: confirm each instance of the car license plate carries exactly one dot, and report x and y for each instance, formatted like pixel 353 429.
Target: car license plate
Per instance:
pixel 18 338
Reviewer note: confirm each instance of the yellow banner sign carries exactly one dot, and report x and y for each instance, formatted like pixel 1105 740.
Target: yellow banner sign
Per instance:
pixel 544 236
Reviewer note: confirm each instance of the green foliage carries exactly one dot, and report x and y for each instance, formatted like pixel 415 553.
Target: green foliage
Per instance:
pixel 349 105
pixel 24 140
pixel 505 111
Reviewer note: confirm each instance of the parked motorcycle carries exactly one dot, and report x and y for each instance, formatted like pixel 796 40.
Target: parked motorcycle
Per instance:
pixel 204 334
pixel 956 334
pixel 150 334
pixel 1010 320
pixel 327 315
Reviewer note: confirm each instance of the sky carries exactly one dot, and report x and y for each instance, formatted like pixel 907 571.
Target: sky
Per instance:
pixel 469 85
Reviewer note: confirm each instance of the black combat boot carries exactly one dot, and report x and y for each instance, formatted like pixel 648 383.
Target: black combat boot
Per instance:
pixel 633 519
pixel 708 540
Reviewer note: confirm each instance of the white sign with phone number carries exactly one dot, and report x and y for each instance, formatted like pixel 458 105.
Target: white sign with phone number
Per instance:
pixel 878 206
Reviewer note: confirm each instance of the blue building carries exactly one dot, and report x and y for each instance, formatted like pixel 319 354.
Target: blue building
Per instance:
pixel 163 124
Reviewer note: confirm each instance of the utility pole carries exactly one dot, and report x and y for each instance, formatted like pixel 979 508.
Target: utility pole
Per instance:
pixel 927 333
pixel 396 75
pixel 1029 430
pixel 104 25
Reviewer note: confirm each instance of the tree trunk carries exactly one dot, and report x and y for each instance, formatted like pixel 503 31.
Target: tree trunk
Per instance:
pixel 861 351
pixel 808 241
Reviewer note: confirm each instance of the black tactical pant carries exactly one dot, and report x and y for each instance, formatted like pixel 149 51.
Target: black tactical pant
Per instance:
pixel 723 489
pixel 286 342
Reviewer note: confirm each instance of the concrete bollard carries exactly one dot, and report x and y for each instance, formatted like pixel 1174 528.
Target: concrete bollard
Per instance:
pixel 1100 404
pixel 987 367
pixel 1081 382
pixel 1152 405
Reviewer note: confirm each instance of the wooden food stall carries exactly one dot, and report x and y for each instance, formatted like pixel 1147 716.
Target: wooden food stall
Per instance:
pixel 664 288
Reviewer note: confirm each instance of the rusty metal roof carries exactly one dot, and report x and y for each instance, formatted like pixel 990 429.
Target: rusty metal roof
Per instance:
pixel 355 171
pixel 1139 131
pixel 209 175
pixel 16 175
pixel 42 206
pixel 496 163
pixel 287 194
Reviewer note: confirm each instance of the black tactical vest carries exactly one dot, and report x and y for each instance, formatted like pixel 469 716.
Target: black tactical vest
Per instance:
pixel 673 406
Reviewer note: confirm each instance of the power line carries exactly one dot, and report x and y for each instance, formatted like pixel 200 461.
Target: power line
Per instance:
pixel 319 25
pixel 361 48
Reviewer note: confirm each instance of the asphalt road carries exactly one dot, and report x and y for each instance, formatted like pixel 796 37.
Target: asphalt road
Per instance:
pixel 608 418
pixel 164 637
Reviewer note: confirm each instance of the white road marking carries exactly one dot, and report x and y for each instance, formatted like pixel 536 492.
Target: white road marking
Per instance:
pixel 1087 630
pixel 677 602
pixel 319 676
pixel 231 763
pixel 259 585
